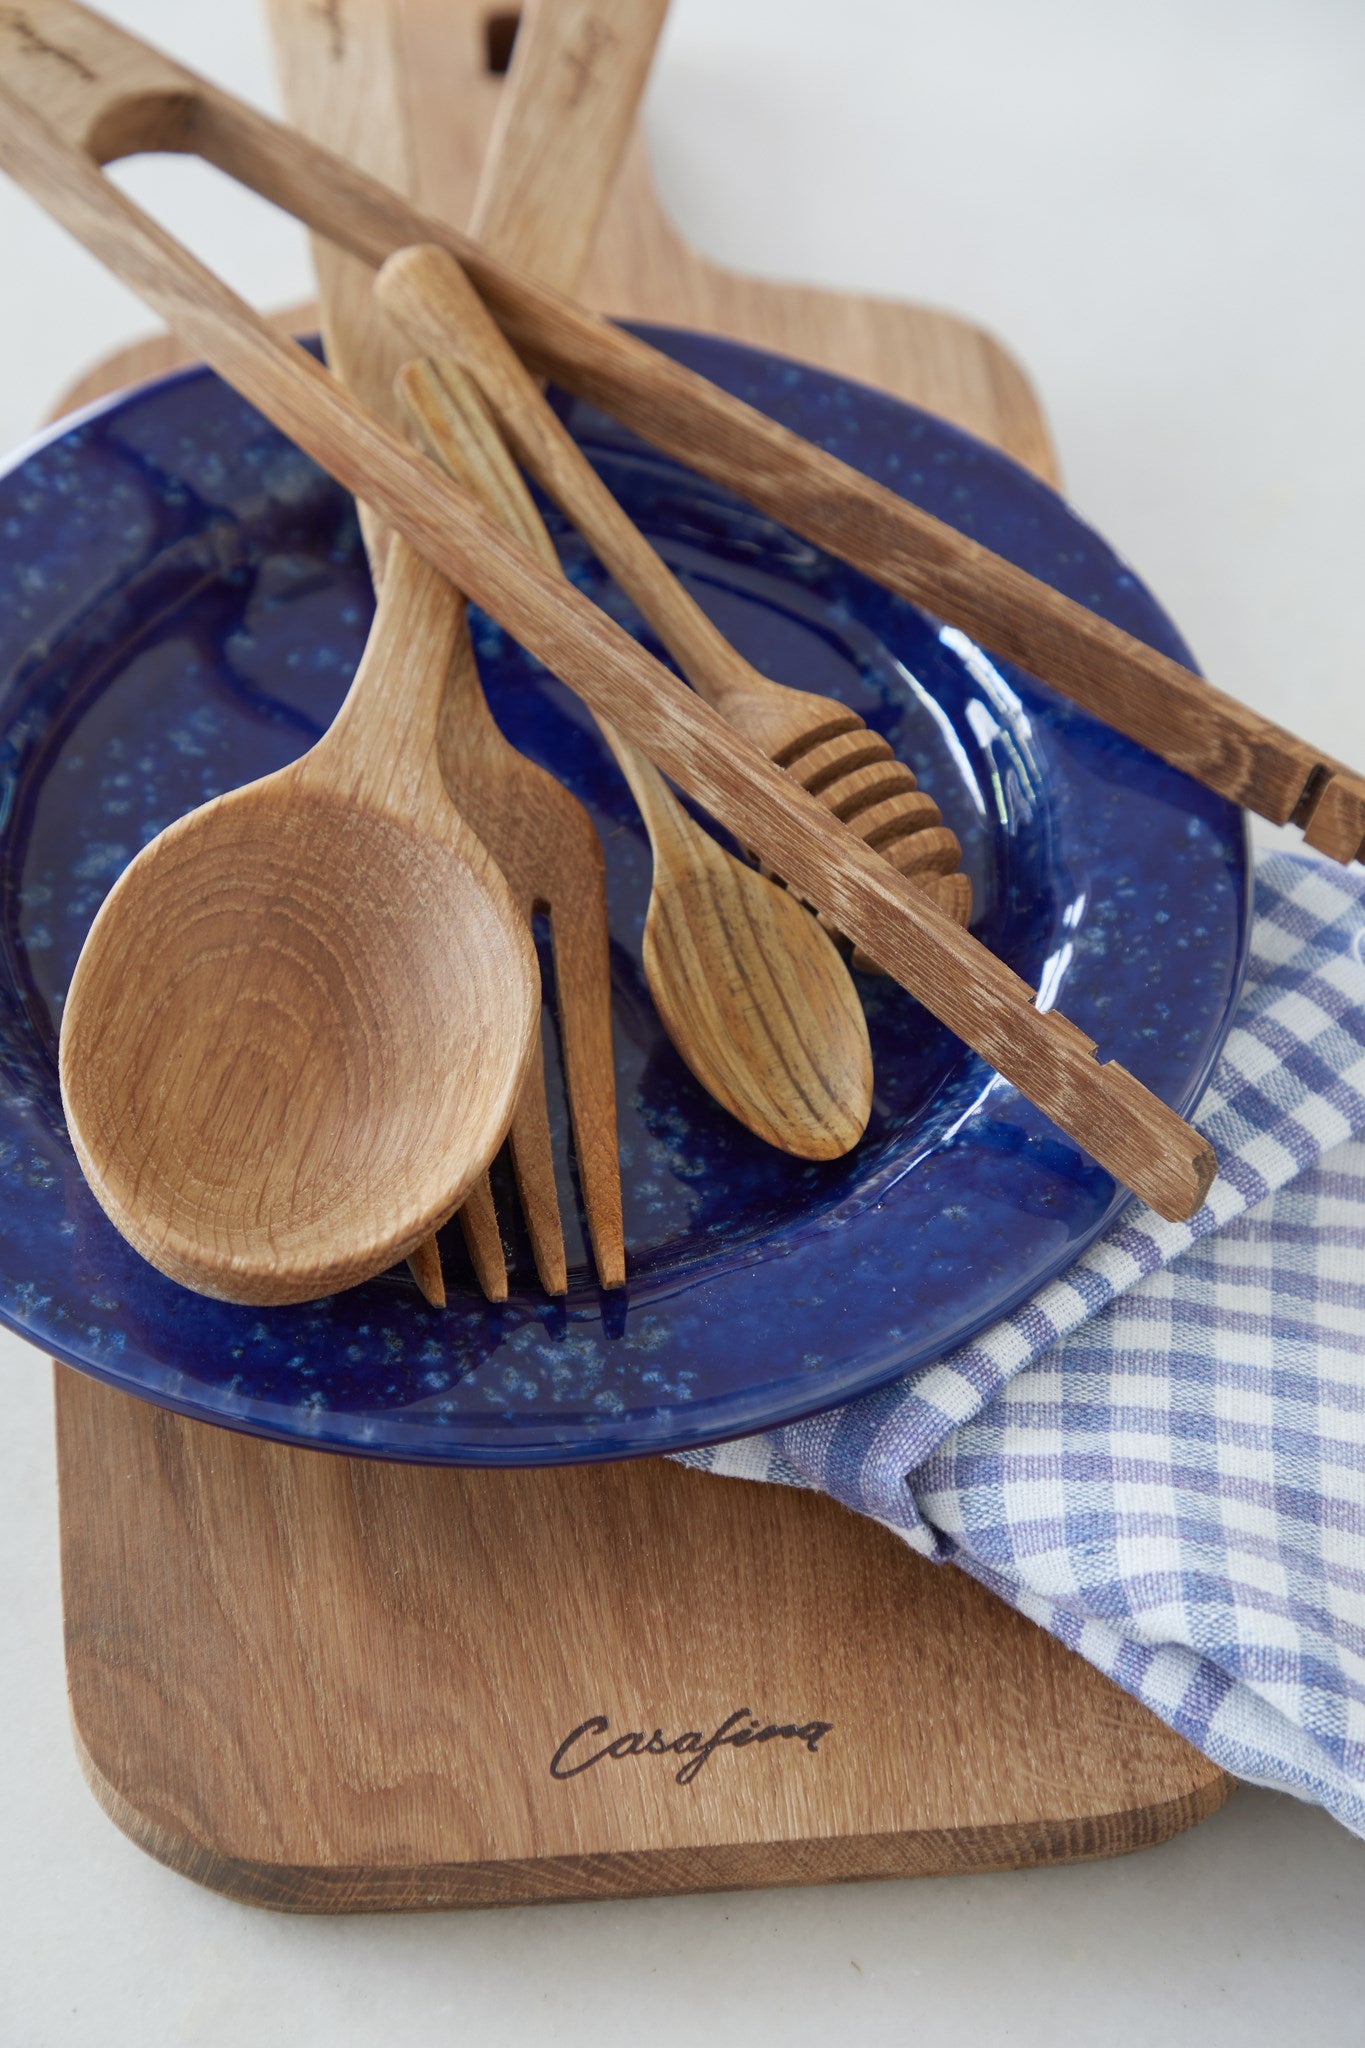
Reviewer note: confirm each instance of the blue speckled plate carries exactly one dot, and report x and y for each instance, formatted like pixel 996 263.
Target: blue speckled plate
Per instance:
pixel 183 599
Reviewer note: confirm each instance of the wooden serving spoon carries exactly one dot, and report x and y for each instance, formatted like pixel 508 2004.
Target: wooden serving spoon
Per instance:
pixel 825 746
pixel 299 1025
pixel 751 991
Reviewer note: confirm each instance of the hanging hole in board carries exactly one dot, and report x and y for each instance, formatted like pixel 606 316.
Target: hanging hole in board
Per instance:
pixel 499 39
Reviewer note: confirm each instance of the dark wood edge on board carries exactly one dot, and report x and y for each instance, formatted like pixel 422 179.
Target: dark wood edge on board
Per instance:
pixel 654 1873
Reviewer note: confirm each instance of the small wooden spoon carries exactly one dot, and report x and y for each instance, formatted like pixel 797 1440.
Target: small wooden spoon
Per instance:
pixel 298 1027
pixel 752 993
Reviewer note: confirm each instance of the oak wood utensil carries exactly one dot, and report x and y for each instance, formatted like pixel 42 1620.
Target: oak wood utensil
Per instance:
pixel 824 745
pixel 1103 1107
pixel 298 1027
pixel 109 95
pixel 755 1001
pixel 540 836
pixel 752 993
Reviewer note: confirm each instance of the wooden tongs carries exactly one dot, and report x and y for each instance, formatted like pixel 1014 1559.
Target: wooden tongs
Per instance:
pixel 76 92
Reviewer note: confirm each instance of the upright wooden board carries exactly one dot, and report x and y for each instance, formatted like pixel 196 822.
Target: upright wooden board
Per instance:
pixel 327 1685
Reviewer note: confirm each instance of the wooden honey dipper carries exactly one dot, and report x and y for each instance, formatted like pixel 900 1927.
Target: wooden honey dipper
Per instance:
pixel 824 745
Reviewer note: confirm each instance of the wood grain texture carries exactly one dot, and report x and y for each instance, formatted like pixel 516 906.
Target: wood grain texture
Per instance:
pixel 111 95
pixel 297 1030
pixel 750 990
pixel 342 84
pixel 1103 1107
pixel 547 847
pixel 559 136
pixel 360 349
pixel 274 1656
pixel 325 1684
pixel 820 742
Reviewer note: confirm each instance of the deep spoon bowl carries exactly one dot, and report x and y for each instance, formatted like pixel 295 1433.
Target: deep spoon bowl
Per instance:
pixel 296 1032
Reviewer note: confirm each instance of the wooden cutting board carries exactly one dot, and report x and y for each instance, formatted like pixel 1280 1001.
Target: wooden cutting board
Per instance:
pixel 322 1684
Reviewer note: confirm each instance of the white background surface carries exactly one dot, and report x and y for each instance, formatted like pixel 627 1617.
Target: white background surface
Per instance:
pixel 1161 209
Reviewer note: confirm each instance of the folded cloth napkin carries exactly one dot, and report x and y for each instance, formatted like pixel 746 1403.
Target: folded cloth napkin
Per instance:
pixel 1161 1458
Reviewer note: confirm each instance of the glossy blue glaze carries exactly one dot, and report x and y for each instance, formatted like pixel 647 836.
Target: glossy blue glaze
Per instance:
pixel 183 600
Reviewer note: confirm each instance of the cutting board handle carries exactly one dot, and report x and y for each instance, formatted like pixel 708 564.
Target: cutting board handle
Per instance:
pixel 563 122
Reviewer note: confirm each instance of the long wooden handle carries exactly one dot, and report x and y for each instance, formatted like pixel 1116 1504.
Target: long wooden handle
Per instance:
pixel 577 76
pixel 563 123
pixel 111 95
pixel 1104 1108
pixel 430 298
pixel 342 86
pixel 449 411
pixel 336 70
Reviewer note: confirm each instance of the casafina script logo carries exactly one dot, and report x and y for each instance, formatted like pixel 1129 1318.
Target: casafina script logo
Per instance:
pixel 582 1748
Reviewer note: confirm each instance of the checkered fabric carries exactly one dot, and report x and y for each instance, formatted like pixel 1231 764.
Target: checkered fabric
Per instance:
pixel 1161 1458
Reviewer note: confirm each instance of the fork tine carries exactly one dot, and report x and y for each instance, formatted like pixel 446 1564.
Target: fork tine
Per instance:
pixel 583 980
pixel 425 1268
pixel 483 1240
pixel 534 1167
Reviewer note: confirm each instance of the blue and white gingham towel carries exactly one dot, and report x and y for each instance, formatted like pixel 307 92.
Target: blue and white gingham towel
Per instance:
pixel 1161 1458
